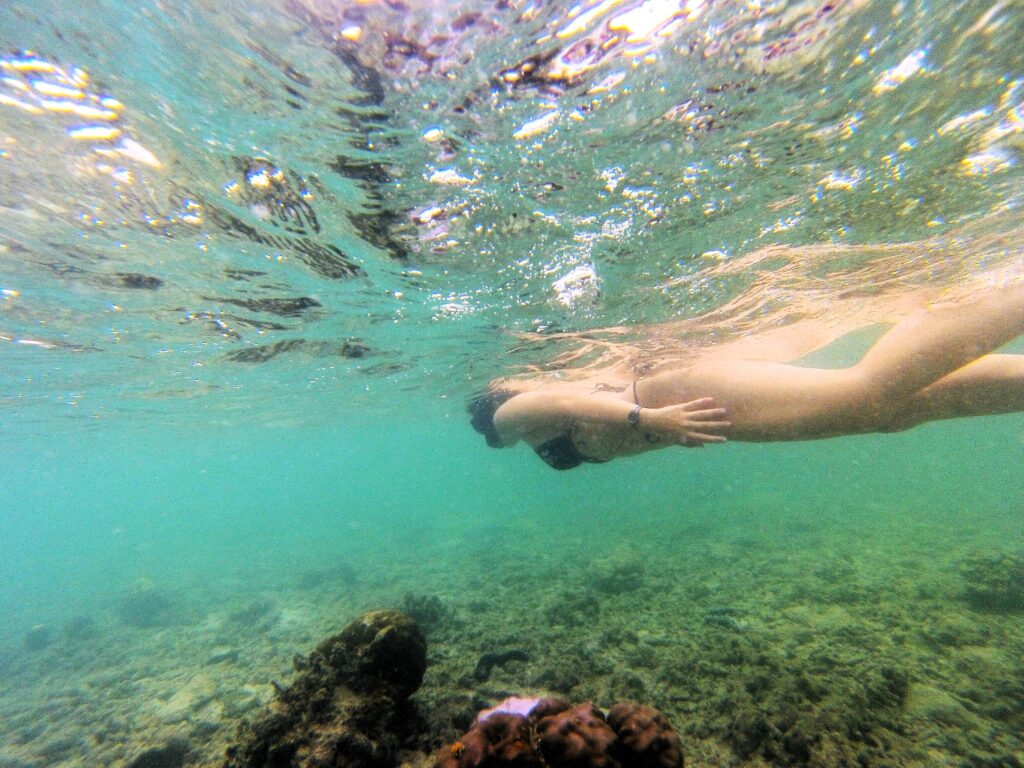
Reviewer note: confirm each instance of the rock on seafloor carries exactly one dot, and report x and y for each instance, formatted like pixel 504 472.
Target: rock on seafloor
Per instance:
pixel 349 706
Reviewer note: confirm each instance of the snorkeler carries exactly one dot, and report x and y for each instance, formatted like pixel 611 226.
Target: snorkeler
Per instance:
pixel 934 364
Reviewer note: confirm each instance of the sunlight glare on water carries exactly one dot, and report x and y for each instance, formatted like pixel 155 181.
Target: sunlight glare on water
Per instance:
pixel 333 199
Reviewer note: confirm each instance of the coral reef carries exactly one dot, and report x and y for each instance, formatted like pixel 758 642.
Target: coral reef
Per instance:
pixel 342 574
pixel 994 583
pixel 576 737
pixel 551 732
pixel 37 638
pixel 80 628
pixel 500 740
pixel 574 608
pixel 258 614
pixel 426 610
pixel 173 754
pixel 820 721
pixel 645 737
pixel 348 707
pixel 147 606
pixel 492 659
pixel 617 576
pixel 829 651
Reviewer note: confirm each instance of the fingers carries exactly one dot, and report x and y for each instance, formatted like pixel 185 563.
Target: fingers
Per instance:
pixel 702 402
pixel 712 419
pixel 715 414
pixel 702 415
pixel 695 410
pixel 701 437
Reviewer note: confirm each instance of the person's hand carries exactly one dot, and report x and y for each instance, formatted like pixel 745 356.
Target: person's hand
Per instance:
pixel 691 424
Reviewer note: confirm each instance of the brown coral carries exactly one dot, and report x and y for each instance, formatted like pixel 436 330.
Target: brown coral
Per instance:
pixel 576 738
pixel 645 737
pixel 552 733
pixel 500 741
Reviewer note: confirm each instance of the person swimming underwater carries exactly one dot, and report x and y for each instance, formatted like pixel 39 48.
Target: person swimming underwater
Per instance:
pixel 936 363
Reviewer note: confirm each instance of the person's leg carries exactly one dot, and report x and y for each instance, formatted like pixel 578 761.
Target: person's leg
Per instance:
pixel 772 401
pixel 990 385
pixel 931 344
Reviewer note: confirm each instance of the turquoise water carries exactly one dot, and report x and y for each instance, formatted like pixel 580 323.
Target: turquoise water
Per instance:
pixel 255 258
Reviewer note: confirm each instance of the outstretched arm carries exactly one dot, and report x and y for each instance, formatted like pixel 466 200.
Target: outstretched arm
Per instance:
pixel 539 416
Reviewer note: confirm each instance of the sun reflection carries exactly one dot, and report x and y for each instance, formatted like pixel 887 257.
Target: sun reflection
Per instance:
pixel 536 126
pixel 961 122
pixel 607 29
pixel 36 86
pixel 987 161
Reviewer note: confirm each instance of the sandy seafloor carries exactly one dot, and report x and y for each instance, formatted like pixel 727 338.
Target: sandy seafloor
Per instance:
pixel 846 627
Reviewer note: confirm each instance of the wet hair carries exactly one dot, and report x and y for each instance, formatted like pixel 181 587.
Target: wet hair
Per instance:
pixel 482 410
